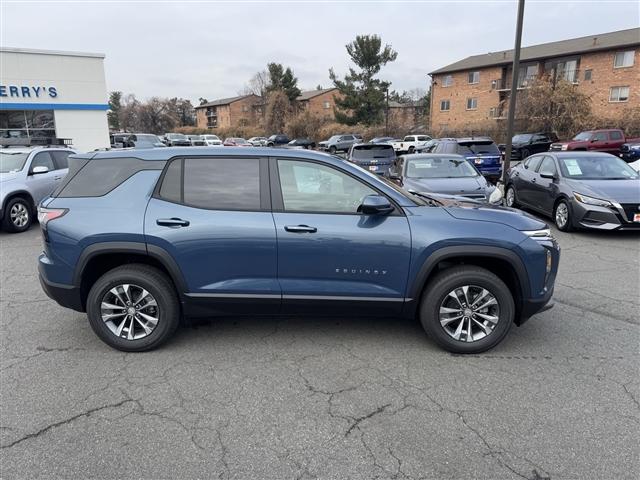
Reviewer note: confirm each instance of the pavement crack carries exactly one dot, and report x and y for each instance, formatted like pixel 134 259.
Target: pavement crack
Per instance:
pixel 357 421
pixel 66 421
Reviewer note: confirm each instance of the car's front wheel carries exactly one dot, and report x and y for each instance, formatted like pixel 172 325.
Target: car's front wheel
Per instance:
pixel 510 197
pixel 467 309
pixel 525 153
pixel 332 149
pixel 17 215
pixel 562 216
pixel 133 308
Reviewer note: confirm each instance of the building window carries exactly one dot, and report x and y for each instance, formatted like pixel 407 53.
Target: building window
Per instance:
pixel 618 94
pixel 447 81
pixel 494 112
pixel 27 124
pixel 474 77
pixel 472 103
pixel 527 75
pixel 624 59
pixel 587 75
pixel 326 105
pixel 445 105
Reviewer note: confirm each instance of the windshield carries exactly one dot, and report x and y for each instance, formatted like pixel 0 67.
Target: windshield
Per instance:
pixel 438 167
pixel 368 152
pixel 148 138
pixel 522 138
pixel 12 161
pixel 583 136
pixel 334 138
pixel 178 136
pixel 478 148
pixel 596 168
pixel 210 137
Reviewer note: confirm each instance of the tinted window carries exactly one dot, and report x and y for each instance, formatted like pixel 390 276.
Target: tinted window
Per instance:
pixel 98 177
pixel 547 166
pixel 438 167
pixel 363 152
pixel 477 148
pixel 600 137
pixel 42 159
pixel 615 135
pixel 222 183
pixel 310 187
pixel 61 159
pixel 423 138
pixel 171 188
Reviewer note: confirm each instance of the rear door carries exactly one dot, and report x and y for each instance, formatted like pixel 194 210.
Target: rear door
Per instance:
pixel 616 139
pixel 212 216
pixel 525 180
pixel 331 258
pixel 599 142
pixel 544 190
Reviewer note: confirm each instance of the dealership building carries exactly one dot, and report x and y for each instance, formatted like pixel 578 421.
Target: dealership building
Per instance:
pixel 47 94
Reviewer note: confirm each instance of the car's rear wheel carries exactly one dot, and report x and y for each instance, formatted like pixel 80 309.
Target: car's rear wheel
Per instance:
pixel 133 308
pixel 562 216
pixel 411 149
pixel 467 309
pixel 17 215
pixel 510 197
pixel 525 154
pixel 332 150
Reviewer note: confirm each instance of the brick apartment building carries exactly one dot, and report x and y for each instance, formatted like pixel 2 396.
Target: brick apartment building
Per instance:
pixel 239 111
pixel 319 102
pixel 475 91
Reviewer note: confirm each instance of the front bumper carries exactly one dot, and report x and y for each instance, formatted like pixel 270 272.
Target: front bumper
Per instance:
pixel 530 307
pixel 603 218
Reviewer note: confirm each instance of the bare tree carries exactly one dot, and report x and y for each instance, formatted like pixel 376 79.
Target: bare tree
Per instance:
pixel 278 111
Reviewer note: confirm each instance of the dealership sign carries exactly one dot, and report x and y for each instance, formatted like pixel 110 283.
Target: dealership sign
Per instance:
pixel 27 91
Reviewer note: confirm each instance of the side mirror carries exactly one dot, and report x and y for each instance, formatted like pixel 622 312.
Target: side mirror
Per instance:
pixel 550 176
pixel 39 169
pixel 375 205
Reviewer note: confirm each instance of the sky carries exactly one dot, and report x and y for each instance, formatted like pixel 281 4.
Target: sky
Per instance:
pixel 210 49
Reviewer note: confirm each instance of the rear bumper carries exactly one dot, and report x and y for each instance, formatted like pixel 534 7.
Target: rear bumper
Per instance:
pixel 67 296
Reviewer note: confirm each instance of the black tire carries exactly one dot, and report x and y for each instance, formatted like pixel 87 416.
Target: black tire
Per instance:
pixel 447 281
pixel 23 221
pixel 270 145
pixel 157 284
pixel 514 203
pixel 524 154
pixel 568 225
pixel 332 150
pixel 411 149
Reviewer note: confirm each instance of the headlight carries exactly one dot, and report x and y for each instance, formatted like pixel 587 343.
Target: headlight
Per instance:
pixel 540 235
pixel 564 147
pixel 591 201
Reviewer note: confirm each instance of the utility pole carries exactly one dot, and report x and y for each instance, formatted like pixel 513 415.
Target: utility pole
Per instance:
pixel 386 115
pixel 514 90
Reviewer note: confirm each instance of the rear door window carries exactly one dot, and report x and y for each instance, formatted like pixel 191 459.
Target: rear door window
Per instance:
pixel 615 135
pixel 60 159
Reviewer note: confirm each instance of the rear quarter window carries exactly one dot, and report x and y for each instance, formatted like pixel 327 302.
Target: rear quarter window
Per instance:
pixel 96 178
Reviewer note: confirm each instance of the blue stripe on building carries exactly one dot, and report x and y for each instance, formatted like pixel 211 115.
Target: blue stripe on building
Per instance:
pixel 53 106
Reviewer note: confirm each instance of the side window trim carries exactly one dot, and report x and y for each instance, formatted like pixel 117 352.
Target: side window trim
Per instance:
pixel 277 202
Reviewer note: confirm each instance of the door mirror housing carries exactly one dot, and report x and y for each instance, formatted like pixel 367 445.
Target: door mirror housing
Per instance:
pixel 39 169
pixel 375 205
pixel 550 176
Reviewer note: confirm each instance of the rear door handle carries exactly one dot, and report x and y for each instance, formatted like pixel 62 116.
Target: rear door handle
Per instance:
pixel 300 229
pixel 172 222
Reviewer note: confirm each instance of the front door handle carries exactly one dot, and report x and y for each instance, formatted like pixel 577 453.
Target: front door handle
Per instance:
pixel 300 229
pixel 172 222
pixel 533 180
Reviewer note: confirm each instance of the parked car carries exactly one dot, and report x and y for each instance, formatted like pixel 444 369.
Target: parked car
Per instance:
pixel 578 190
pixel 177 140
pixel 197 141
pixel 27 175
pixel 481 151
pixel 605 140
pixel 258 141
pixel 410 142
pixel 338 143
pixel 382 140
pixel 375 157
pixel 427 147
pixel 635 165
pixel 136 140
pixel 302 143
pixel 236 142
pixel 525 144
pixel 312 234
pixel 630 152
pixel 443 173
pixel 277 140
pixel 212 140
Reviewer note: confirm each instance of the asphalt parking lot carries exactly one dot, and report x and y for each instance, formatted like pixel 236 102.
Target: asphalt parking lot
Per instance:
pixel 306 398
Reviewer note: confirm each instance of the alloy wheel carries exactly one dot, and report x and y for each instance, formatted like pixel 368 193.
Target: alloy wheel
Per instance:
pixel 562 215
pixel 19 214
pixel 511 197
pixel 129 311
pixel 469 313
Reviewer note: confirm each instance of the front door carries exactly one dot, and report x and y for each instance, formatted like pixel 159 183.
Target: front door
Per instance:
pixel 42 184
pixel 212 216
pixel 332 259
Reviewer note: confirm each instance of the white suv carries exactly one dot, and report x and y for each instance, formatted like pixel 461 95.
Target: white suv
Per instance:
pixel 27 175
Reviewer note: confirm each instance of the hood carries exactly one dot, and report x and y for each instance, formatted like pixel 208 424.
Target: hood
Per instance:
pixel 5 177
pixel 451 186
pixel 621 191
pixel 464 209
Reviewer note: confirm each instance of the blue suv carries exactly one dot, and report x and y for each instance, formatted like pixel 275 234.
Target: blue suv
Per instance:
pixel 481 151
pixel 140 239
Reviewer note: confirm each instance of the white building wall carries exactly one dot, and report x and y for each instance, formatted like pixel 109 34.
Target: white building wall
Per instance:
pixel 88 128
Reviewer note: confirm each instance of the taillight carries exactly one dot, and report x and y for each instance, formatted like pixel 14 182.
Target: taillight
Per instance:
pixel 45 215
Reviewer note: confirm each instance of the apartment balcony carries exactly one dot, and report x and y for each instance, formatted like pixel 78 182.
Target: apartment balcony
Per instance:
pixel 504 84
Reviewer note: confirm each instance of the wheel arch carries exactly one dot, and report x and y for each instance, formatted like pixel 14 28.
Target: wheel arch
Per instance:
pixel 99 258
pixel 504 263
pixel 22 194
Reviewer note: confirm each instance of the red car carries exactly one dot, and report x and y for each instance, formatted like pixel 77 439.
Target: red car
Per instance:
pixel 236 142
pixel 607 140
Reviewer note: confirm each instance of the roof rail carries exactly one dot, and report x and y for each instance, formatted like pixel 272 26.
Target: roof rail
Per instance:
pixel 36 142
